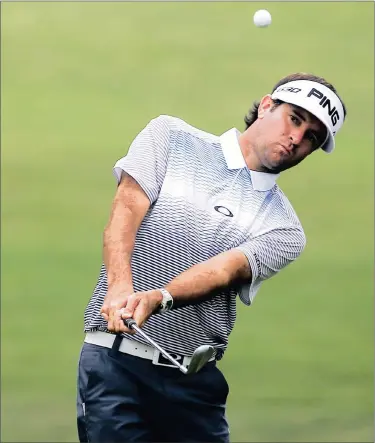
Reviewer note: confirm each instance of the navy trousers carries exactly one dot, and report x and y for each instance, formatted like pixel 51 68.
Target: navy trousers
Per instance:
pixel 122 398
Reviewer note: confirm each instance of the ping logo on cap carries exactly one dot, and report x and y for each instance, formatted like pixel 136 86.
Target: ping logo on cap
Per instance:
pixel 325 102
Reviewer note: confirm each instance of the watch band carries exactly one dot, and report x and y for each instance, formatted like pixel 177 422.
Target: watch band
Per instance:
pixel 167 301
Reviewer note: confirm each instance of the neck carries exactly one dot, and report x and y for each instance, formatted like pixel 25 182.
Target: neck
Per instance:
pixel 249 153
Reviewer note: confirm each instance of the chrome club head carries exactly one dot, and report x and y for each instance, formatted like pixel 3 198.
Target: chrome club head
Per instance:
pixel 200 357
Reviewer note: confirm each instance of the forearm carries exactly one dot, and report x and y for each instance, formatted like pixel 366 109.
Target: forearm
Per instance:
pixel 202 280
pixel 118 245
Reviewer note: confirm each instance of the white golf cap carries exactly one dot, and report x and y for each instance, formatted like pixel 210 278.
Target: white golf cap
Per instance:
pixel 319 101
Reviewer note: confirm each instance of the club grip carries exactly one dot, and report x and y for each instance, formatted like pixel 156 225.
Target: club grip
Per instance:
pixel 129 322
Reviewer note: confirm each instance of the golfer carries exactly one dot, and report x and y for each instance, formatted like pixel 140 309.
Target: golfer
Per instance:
pixel 196 222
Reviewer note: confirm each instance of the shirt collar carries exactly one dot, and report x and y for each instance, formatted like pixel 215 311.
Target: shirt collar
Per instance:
pixel 262 181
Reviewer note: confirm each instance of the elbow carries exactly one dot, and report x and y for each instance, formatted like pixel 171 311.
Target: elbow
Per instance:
pixel 300 245
pixel 236 269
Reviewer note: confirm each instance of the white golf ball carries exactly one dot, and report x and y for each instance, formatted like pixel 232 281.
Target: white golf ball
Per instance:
pixel 262 18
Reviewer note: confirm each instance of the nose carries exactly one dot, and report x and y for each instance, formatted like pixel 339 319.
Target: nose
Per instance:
pixel 297 135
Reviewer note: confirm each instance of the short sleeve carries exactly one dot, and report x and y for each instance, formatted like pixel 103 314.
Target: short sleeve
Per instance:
pixel 268 254
pixel 147 158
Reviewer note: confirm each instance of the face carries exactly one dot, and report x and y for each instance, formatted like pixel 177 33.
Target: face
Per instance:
pixel 285 135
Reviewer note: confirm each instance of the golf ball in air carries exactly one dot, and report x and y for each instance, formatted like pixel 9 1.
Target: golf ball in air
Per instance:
pixel 262 18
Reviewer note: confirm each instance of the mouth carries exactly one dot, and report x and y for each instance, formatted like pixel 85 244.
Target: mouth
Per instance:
pixel 284 150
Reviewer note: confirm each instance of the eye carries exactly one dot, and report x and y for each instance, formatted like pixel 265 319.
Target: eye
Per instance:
pixel 295 119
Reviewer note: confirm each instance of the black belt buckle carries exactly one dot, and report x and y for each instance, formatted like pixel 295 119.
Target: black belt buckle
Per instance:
pixel 160 360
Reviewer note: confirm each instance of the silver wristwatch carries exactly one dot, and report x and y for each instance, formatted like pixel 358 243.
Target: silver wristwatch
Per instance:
pixel 167 301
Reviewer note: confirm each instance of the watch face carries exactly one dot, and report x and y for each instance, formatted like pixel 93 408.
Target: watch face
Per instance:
pixel 167 301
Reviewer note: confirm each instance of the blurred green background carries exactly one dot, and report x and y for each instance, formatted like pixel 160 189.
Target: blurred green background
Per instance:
pixel 79 80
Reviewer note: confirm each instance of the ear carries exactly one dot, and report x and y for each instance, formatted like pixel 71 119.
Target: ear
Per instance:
pixel 265 105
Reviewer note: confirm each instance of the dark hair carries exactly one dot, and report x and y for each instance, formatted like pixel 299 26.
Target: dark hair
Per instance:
pixel 252 115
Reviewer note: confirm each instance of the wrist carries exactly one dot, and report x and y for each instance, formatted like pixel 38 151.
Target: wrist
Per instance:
pixel 120 286
pixel 165 301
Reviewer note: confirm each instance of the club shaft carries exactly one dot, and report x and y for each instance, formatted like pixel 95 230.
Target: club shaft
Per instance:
pixel 159 348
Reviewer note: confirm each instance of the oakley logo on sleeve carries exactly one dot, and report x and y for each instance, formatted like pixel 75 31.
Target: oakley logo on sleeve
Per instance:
pixel 223 210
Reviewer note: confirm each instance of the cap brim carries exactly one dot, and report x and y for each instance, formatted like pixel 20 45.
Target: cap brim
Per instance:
pixel 329 144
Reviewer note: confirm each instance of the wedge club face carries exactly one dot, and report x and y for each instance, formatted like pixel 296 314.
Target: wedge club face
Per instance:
pixel 200 357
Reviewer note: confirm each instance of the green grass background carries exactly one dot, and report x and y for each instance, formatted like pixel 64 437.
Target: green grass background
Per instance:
pixel 79 80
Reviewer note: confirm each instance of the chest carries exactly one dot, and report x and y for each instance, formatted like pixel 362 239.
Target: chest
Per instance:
pixel 212 207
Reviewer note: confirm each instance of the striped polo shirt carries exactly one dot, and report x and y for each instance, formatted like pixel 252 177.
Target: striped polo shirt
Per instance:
pixel 204 201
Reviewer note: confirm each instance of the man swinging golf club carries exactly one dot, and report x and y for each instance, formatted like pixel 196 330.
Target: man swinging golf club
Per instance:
pixel 197 221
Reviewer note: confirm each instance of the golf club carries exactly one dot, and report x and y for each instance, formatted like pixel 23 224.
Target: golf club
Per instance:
pixel 200 357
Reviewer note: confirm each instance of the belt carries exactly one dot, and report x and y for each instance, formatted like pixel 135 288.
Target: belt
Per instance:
pixel 135 348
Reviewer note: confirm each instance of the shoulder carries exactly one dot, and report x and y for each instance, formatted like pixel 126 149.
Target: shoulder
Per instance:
pixel 285 206
pixel 178 125
pixel 286 215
